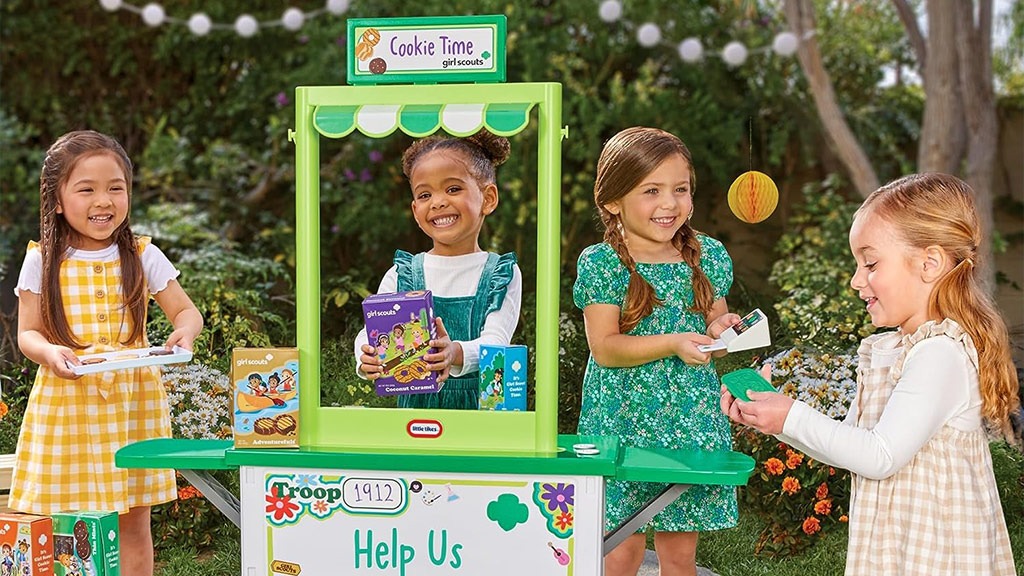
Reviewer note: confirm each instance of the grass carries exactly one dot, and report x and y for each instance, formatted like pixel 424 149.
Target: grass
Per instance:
pixel 725 552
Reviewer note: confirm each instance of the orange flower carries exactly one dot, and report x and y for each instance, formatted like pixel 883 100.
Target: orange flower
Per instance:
pixel 822 491
pixel 774 466
pixel 188 492
pixel 831 471
pixel 811 526
pixel 823 507
pixel 793 459
pixel 3 409
pixel 844 518
pixel 790 485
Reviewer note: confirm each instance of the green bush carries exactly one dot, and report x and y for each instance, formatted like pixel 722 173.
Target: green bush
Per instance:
pixel 816 306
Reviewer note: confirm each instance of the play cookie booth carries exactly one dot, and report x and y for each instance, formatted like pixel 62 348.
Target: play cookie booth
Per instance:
pixel 425 492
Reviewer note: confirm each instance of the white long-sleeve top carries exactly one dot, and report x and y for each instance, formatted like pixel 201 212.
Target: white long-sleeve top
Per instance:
pixel 453 277
pixel 939 386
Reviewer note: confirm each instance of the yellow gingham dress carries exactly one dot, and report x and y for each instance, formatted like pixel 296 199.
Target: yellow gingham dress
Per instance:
pixel 940 514
pixel 72 428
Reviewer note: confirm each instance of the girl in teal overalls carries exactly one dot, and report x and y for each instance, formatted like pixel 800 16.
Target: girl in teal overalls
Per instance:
pixel 476 294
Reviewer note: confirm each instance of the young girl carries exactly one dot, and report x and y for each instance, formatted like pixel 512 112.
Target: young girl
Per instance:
pixel 476 294
pixel 84 288
pixel 923 497
pixel 651 293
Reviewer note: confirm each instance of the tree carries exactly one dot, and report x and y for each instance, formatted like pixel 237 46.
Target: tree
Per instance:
pixel 959 127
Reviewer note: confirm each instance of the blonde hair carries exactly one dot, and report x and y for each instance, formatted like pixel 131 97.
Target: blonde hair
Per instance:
pixel 626 159
pixel 936 209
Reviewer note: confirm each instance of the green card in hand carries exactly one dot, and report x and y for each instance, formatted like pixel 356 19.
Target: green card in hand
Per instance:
pixel 743 380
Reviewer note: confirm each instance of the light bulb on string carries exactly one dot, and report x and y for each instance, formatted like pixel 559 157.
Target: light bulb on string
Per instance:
pixel 785 44
pixel 337 7
pixel 111 5
pixel 246 26
pixel 293 19
pixel 153 14
pixel 610 10
pixel 690 50
pixel 200 24
pixel 648 35
pixel 734 54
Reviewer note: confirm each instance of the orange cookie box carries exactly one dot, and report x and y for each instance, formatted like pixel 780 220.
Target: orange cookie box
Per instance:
pixel 26 545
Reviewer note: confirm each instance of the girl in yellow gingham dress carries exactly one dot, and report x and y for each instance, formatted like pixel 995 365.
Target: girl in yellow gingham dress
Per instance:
pixel 930 395
pixel 85 289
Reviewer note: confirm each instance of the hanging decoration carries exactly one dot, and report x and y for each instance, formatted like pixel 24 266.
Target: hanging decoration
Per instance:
pixel 648 35
pixel 245 25
pixel 753 197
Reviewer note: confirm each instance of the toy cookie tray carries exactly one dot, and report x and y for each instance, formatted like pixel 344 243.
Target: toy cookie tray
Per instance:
pixel 130 358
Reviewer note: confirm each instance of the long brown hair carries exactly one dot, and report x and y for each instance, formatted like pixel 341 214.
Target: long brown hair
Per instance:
pixel 935 209
pixel 627 158
pixel 56 235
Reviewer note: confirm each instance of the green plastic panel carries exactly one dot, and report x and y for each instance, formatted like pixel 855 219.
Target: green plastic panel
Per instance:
pixel 685 467
pixel 461 109
pixel 419 120
pixel 177 453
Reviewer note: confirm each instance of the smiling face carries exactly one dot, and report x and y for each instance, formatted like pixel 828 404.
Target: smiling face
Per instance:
pixel 94 200
pixel 448 203
pixel 654 210
pixel 892 277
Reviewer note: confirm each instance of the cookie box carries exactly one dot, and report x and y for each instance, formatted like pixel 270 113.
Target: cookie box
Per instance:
pixel 266 392
pixel 130 358
pixel 26 545
pixel 399 327
pixel 502 377
pixel 86 543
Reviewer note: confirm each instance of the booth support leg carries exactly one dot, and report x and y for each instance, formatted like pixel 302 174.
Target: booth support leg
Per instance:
pixel 642 516
pixel 216 493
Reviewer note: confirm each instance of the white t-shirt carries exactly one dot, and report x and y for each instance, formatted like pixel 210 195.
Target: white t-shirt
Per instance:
pixel 453 277
pixel 939 386
pixel 155 266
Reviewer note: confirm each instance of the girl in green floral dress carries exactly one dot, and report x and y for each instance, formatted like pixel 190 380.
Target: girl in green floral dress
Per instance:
pixel 651 293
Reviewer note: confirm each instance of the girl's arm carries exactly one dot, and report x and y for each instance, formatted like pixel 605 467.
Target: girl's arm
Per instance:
pixel 33 343
pixel 933 391
pixel 182 313
pixel 612 349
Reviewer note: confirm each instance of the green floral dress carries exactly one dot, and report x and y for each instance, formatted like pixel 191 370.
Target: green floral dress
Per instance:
pixel 664 403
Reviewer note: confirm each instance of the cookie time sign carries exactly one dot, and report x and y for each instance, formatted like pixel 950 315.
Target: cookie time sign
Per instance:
pixel 426 50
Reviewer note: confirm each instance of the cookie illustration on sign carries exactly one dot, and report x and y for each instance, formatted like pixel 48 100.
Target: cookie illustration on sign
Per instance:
pixel 364 51
pixel 378 66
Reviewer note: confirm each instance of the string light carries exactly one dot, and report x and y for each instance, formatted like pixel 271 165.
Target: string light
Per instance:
pixel 691 50
pixel 245 25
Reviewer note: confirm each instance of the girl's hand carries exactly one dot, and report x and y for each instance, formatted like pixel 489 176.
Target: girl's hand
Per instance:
pixel 766 411
pixel 57 359
pixel 686 348
pixel 369 363
pixel 444 352
pixel 183 337
pixel 722 323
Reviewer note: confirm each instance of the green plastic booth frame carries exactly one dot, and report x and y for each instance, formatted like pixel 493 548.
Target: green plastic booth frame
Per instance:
pixel 461 110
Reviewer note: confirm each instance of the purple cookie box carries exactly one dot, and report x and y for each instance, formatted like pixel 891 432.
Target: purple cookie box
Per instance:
pixel 400 326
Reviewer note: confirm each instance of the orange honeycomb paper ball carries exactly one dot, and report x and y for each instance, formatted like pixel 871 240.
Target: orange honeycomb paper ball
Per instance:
pixel 753 197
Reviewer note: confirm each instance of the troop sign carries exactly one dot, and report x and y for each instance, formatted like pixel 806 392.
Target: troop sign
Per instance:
pixel 426 50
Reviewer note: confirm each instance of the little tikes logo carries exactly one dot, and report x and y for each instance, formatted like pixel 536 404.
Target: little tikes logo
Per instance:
pixel 424 428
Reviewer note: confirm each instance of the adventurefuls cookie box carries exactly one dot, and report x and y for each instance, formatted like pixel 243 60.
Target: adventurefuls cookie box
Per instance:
pixel 266 392
pixel 399 326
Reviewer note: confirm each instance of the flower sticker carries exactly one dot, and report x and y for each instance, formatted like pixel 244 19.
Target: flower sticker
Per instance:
pixel 280 510
pixel 556 502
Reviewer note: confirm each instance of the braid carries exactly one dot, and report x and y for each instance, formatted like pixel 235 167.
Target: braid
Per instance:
pixel 640 296
pixel 687 241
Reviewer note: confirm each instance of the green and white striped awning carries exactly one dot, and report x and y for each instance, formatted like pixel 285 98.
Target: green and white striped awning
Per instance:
pixel 418 120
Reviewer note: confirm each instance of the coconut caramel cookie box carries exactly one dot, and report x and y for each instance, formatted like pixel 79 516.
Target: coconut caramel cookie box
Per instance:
pixel 399 327
pixel 266 394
